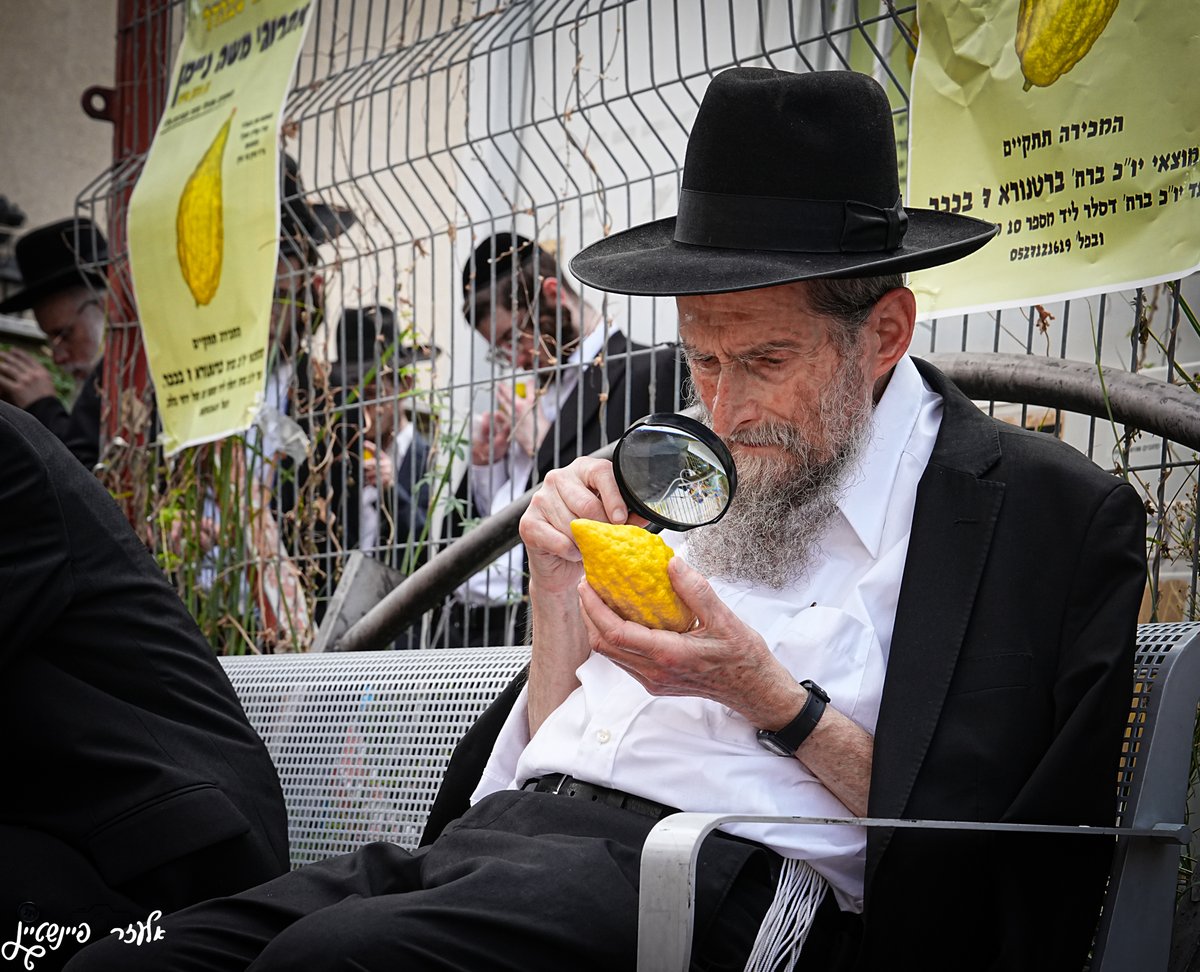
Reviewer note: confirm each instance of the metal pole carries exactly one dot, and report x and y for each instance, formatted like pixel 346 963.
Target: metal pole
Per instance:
pixel 444 572
pixel 1170 411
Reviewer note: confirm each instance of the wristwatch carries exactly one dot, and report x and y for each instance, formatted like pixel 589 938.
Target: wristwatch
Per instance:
pixel 785 741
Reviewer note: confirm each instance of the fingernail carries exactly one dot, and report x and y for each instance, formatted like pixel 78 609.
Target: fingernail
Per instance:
pixel 621 513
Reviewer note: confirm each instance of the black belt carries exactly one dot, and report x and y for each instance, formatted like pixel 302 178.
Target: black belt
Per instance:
pixel 568 786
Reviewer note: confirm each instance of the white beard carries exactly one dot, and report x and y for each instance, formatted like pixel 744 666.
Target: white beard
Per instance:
pixel 771 535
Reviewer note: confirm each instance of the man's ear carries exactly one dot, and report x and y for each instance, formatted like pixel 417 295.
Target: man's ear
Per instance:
pixel 891 322
pixel 549 288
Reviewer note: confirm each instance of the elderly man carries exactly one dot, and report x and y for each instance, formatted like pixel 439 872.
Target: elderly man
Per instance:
pixel 859 646
pixel 66 298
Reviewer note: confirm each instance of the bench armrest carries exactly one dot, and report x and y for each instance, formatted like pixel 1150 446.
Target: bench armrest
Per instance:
pixel 666 903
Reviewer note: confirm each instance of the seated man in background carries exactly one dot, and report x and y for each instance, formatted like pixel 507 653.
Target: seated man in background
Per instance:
pixel 860 644
pixel 138 784
pixel 578 383
pixel 67 303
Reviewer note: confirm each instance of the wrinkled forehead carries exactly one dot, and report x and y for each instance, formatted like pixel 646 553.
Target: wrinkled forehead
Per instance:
pixel 734 322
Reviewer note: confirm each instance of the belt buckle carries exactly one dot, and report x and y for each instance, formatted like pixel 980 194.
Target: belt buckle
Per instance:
pixel 562 779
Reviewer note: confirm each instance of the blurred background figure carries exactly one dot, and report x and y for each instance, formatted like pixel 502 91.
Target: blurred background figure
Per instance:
pixel 386 456
pixel 67 303
pixel 576 383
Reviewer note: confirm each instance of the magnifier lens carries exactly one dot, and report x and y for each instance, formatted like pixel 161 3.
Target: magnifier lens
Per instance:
pixel 675 472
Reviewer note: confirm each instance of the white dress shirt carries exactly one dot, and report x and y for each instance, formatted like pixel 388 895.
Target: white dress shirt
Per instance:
pixel 833 626
pixel 498 484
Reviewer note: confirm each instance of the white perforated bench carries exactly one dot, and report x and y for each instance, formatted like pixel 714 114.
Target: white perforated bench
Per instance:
pixel 361 741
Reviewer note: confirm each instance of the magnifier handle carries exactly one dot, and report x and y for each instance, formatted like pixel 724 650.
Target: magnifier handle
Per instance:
pixel 654 528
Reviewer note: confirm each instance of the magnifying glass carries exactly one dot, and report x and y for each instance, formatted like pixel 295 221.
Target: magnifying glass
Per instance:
pixel 674 471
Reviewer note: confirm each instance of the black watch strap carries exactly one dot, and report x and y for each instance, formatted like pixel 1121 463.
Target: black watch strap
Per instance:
pixel 785 741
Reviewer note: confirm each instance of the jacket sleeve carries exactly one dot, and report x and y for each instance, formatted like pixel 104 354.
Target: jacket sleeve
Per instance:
pixel 1055 886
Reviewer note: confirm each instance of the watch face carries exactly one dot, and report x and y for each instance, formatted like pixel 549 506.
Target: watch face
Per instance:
pixel 772 744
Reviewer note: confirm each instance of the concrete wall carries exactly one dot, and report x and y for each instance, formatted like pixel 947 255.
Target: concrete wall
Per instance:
pixel 50 51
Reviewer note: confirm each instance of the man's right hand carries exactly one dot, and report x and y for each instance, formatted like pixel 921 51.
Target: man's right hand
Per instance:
pixel 23 380
pixel 586 489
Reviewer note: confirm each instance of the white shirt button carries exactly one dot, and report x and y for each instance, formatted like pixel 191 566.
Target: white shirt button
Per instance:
pixel 603 736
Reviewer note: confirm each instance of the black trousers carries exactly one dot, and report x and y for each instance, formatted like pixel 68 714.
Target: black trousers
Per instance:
pixel 523 882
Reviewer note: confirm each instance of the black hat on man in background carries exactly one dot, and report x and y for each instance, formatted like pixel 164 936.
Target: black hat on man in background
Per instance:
pixel 54 257
pixel 304 223
pixel 366 341
pixel 786 177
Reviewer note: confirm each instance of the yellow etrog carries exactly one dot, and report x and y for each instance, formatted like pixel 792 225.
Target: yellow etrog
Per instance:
pixel 627 567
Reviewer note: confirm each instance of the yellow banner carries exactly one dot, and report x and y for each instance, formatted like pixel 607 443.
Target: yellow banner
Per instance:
pixel 1075 125
pixel 204 217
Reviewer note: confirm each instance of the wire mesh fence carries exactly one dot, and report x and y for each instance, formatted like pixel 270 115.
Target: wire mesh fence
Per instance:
pixel 432 350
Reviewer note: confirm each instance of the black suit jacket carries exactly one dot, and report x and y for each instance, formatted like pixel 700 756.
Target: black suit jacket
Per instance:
pixel 1006 692
pixel 124 738
pixel 78 429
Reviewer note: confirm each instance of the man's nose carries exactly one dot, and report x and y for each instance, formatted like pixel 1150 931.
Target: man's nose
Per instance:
pixel 731 406
pixel 60 352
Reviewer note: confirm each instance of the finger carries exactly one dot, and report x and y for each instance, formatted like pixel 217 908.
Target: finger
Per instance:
pixel 504 399
pixel 696 592
pixel 598 475
pixel 618 636
pixel 567 494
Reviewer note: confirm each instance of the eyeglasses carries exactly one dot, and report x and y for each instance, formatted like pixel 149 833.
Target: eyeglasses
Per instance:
pixel 503 353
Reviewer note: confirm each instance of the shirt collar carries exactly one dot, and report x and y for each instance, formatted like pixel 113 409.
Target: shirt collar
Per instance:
pixel 589 347
pixel 892 423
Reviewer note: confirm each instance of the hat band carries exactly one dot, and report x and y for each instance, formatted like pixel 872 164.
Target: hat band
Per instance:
pixel 736 222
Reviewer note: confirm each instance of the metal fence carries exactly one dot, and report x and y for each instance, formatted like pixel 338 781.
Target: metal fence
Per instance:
pixel 438 125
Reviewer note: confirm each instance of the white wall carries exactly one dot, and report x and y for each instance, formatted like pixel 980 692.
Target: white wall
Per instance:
pixel 50 51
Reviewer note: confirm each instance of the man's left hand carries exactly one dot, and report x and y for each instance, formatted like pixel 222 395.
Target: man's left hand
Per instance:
pixel 23 380
pixel 721 658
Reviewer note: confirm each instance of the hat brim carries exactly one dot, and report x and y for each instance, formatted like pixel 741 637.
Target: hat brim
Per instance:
pixel 352 373
pixel 646 261
pixel 45 286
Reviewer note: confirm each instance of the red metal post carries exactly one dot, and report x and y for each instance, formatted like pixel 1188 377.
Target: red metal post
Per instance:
pixel 143 63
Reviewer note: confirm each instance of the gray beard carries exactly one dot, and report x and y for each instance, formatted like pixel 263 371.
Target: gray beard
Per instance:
pixel 771 535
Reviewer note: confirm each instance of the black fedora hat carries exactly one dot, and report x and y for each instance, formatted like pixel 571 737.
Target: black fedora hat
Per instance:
pixel 51 258
pixel 366 338
pixel 787 177
pixel 306 223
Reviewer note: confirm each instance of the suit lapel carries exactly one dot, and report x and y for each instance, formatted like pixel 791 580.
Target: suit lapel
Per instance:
pixel 561 444
pixel 953 522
